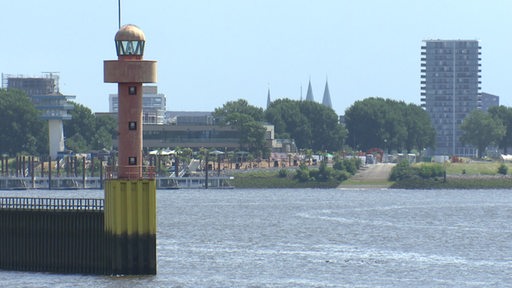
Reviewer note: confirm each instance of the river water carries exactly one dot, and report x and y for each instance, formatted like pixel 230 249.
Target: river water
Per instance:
pixel 317 238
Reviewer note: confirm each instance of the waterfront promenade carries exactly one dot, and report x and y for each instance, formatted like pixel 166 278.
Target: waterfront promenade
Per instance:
pixel 370 176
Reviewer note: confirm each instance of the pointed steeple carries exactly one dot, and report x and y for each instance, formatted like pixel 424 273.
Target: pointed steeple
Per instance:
pixel 326 101
pixel 309 94
pixel 268 98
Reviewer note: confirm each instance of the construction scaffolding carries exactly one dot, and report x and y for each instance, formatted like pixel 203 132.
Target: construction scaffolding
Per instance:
pixel 47 84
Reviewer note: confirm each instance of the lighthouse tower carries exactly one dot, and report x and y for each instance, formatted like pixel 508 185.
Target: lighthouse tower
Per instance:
pixel 130 191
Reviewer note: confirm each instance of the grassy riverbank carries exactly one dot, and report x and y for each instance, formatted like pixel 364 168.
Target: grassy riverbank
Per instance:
pixel 475 168
pixel 273 179
pixel 465 182
pixel 468 175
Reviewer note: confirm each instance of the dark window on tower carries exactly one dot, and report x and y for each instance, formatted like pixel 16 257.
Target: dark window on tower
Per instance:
pixel 132 125
pixel 132 160
pixel 132 90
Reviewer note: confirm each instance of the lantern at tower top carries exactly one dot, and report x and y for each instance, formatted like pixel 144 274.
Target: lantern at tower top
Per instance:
pixel 130 41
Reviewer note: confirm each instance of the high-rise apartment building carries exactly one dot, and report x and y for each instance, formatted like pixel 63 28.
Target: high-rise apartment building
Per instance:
pixel 488 100
pixel 450 90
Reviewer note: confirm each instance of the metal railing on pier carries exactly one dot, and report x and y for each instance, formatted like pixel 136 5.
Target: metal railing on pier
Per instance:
pixel 51 203
pixel 131 172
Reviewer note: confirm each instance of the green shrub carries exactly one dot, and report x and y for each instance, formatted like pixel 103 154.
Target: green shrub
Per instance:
pixel 401 171
pixel 404 170
pixel 282 173
pixel 342 175
pixel 314 174
pixel 325 173
pixel 302 174
pixel 430 170
pixel 350 165
pixel 503 169
pixel 357 161
pixel 338 165
pixel 322 174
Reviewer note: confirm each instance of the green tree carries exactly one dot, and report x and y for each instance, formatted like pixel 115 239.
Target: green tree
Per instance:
pixel 481 129
pixel 504 114
pixel 82 122
pixel 310 124
pixel 395 128
pixel 326 132
pixel 420 133
pixel 369 125
pixel 85 131
pixel 388 124
pixel 247 120
pixel 106 128
pixel 76 143
pixel 21 128
pixel 252 138
pixel 229 113
pixel 288 121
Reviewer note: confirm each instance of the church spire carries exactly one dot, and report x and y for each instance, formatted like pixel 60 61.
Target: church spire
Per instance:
pixel 309 94
pixel 268 98
pixel 326 101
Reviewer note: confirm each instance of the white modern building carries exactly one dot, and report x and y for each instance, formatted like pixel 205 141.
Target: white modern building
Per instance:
pixel 54 106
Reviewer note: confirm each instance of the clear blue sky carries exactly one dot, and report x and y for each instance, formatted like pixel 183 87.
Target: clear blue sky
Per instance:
pixel 211 52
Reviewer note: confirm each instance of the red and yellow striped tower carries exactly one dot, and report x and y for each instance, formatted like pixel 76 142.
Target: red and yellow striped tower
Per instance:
pixel 130 196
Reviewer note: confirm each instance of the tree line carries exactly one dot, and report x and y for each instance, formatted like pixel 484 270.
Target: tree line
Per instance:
pixel 22 131
pixel 389 125
pixel 370 123
pixel 488 128
pixel 310 124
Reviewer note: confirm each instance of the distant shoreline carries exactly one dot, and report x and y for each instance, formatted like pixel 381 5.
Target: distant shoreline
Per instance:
pixel 269 179
pixel 457 182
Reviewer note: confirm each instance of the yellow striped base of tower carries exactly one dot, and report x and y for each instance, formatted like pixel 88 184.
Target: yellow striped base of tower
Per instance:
pixel 130 226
